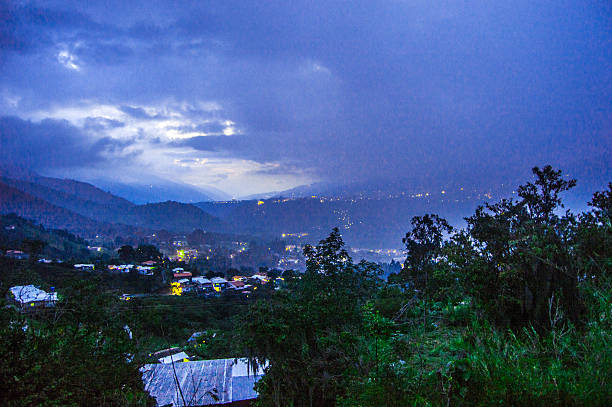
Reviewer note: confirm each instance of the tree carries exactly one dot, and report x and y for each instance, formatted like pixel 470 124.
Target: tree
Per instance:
pixel 523 253
pixel 602 206
pixel 126 253
pixel 541 198
pixel 309 332
pixel 75 354
pixel 423 248
pixel 147 252
pixel 594 237
pixel 34 248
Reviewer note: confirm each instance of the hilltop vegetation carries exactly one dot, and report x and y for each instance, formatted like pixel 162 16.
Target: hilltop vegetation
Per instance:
pixel 19 233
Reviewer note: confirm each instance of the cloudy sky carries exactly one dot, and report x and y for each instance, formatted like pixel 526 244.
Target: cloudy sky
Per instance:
pixel 255 96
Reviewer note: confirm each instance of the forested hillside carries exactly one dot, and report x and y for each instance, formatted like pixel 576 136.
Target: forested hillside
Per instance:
pixel 87 210
pixel 515 309
pixel 21 234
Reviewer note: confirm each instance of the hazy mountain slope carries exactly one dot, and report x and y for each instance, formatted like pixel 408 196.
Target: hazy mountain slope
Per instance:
pixel 58 243
pixel 83 190
pixel 105 208
pixel 369 223
pixel 13 200
pixel 156 190
pixel 48 202
pixel 174 216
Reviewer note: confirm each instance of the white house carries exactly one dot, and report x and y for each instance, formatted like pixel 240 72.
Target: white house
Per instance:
pixel 29 296
pixel 84 267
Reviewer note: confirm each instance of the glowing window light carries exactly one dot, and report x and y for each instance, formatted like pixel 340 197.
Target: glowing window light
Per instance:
pixel 176 288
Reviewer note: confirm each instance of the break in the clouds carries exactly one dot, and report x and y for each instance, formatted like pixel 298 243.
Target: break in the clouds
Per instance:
pixel 253 96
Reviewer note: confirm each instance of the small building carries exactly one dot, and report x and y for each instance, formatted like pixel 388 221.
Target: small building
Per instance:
pixel 182 274
pixel 228 382
pixel 29 296
pixel 202 283
pixel 195 336
pixel 174 358
pixel 259 278
pixel 237 285
pixel 145 270
pixel 84 267
pixel 121 268
pixel 17 255
pixel 219 283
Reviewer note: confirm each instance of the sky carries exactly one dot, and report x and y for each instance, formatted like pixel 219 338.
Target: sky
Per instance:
pixel 249 97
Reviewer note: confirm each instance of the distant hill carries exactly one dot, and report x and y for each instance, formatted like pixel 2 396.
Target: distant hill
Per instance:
pixel 58 243
pixel 364 223
pixel 84 191
pixel 72 195
pixel 13 200
pixel 85 209
pixel 174 216
pixel 159 190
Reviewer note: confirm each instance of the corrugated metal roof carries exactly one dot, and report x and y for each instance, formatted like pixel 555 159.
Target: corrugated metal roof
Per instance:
pixel 202 382
pixel 201 280
pixel 28 293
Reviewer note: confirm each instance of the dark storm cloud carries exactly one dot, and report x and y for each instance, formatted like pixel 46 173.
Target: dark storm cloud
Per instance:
pixel 257 148
pixel 345 90
pixel 53 144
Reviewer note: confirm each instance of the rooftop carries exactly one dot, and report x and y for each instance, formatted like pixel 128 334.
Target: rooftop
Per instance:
pixel 218 381
pixel 28 293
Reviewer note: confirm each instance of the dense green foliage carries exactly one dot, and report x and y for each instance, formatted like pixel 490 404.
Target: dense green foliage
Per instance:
pixel 19 233
pixel 513 310
pixel 77 353
pixel 516 309
pixel 309 334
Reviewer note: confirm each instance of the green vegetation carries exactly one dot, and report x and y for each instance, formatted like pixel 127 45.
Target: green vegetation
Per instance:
pixel 74 354
pixel 18 233
pixel 516 309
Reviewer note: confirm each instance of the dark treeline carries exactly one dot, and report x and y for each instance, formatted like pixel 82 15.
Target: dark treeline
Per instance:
pixel 515 309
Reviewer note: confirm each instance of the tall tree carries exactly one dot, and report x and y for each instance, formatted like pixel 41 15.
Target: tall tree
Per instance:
pixel 423 247
pixel 126 253
pixel 308 333
pixel 524 248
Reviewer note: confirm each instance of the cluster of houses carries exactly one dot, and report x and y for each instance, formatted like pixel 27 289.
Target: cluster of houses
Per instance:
pixel 184 282
pixel 16 254
pixel 127 268
pixel 145 269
